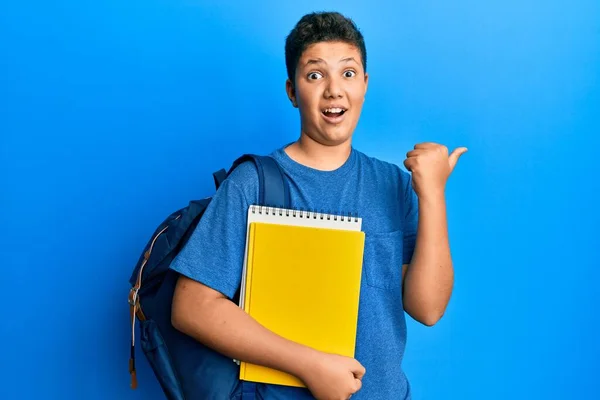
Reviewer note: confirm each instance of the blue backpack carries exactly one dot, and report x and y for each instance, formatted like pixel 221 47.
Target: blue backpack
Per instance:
pixel 153 283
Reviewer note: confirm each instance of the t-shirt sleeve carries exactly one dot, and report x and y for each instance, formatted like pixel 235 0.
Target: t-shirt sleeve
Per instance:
pixel 214 253
pixel 411 218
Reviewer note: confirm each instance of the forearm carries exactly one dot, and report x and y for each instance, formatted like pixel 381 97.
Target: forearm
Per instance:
pixel 430 276
pixel 223 326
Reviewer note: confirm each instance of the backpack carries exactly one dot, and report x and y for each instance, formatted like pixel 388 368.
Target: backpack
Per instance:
pixel 153 282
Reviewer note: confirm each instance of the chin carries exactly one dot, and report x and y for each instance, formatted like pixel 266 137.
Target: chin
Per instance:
pixel 329 140
pixel 329 135
pixel 337 137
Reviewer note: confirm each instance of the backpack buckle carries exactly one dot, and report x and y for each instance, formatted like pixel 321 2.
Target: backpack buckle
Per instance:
pixel 133 296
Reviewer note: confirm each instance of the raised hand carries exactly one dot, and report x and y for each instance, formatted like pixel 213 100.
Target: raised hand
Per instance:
pixel 431 165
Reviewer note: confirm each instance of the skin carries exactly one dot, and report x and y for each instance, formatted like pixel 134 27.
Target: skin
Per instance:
pixel 331 73
pixel 327 74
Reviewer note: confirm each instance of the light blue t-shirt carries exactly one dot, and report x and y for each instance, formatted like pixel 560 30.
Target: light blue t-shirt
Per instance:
pixel 379 192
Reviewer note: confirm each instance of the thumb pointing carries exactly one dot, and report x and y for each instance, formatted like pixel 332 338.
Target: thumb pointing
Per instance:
pixel 453 157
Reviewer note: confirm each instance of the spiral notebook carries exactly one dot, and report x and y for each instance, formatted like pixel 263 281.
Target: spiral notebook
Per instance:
pixel 301 280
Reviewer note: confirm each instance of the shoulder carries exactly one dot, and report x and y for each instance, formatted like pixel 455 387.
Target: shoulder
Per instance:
pixel 244 178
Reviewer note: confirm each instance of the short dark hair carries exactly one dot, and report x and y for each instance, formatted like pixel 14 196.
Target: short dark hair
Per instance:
pixel 321 27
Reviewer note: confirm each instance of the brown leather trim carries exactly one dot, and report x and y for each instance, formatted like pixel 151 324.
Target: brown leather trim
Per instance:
pixel 134 382
pixel 140 314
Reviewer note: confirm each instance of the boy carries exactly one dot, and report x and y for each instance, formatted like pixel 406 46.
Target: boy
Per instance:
pixel 407 263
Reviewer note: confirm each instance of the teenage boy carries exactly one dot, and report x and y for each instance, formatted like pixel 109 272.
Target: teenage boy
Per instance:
pixel 407 262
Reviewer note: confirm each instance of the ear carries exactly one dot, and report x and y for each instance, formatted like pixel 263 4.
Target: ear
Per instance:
pixel 366 82
pixel 291 92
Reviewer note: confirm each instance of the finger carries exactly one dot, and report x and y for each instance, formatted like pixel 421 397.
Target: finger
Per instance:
pixel 357 385
pixel 409 163
pixel 358 371
pixel 414 153
pixel 425 145
pixel 454 156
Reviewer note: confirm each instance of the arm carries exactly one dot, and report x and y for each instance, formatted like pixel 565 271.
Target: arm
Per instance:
pixel 211 318
pixel 430 276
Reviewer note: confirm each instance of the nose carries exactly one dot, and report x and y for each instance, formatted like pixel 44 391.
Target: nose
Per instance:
pixel 333 89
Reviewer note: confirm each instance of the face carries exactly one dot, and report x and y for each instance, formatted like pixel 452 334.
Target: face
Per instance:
pixel 329 92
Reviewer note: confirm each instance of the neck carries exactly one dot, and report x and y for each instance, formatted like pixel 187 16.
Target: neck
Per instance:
pixel 313 154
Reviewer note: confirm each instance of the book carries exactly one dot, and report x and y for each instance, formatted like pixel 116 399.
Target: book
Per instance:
pixel 301 280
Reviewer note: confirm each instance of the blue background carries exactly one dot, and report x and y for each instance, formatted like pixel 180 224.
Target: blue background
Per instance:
pixel 115 113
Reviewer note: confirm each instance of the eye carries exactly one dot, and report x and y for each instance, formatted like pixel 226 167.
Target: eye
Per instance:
pixel 349 74
pixel 314 76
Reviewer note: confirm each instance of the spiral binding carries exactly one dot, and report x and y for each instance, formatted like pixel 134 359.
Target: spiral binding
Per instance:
pixel 265 210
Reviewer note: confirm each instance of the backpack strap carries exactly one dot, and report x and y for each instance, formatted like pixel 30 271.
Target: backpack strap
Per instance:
pixel 219 176
pixel 273 190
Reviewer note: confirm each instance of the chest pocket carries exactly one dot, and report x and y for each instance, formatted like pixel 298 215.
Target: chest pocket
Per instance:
pixel 383 260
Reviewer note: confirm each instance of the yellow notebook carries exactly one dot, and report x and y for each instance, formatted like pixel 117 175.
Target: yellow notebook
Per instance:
pixel 302 274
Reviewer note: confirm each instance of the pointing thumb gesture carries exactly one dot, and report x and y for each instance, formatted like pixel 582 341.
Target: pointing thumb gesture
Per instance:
pixel 431 165
pixel 453 157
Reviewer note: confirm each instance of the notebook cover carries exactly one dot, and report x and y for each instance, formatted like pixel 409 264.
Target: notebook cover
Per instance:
pixel 303 283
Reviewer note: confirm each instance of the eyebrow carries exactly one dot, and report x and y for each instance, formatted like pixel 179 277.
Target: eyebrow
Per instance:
pixel 321 61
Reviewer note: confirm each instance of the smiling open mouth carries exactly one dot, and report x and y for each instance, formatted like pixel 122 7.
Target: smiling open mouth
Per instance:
pixel 333 112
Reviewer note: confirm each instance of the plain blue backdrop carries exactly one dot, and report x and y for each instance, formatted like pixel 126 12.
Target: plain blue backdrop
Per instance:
pixel 115 113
